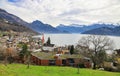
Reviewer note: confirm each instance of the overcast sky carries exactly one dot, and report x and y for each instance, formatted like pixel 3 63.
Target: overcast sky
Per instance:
pixel 66 12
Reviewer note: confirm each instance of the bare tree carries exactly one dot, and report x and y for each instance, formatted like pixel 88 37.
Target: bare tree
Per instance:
pixel 94 47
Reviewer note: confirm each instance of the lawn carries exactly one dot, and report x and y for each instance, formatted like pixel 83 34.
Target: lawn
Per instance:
pixel 21 70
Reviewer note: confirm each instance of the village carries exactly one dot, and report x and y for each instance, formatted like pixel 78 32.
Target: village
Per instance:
pixel 41 53
pixel 28 49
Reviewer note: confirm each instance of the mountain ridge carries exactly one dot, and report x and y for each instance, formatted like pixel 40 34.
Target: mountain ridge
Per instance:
pixel 43 28
pixel 11 22
pixel 105 31
pixel 82 28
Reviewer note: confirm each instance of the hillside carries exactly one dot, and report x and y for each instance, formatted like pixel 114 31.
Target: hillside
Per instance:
pixel 100 31
pixel 12 18
pixel 104 31
pixel 6 26
pixel 117 30
pixel 21 70
pixel 11 22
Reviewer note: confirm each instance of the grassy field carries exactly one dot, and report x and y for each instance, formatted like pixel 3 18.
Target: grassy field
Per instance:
pixel 20 70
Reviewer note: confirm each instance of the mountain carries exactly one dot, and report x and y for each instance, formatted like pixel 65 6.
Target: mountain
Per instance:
pixel 6 26
pixel 12 18
pixel 100 31
pixel 104 31
pixel 70 29
pixel 11 22
pixel 75 28
pixel 43 28
pixel 37 26
pixel 117 30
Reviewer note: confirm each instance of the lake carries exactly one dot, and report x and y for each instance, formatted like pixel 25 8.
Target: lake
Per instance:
pixel 72 39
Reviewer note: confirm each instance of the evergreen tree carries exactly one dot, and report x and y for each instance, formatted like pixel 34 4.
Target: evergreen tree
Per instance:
pixel 24 53
pixel 48 41
pixel 24 50
pixel 72 50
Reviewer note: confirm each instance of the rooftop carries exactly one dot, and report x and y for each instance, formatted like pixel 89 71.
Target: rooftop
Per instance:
pixel 50 55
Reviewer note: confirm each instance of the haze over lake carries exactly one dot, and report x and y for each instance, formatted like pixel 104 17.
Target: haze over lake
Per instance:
pixel 72 39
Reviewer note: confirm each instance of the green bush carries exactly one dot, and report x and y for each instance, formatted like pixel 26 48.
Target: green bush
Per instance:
pixel 10 59
pixel 81 65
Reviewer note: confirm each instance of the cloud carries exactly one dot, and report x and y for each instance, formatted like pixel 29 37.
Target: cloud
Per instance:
pixel 56 12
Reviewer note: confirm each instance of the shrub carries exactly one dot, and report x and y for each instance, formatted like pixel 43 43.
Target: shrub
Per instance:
pixel 10 59
pixel 81 65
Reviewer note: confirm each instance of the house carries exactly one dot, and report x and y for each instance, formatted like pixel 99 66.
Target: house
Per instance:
pixel 66 51
pixel 43 58
pixel 45 62
pixel 62 50
pixel 48 48
pixel 59 62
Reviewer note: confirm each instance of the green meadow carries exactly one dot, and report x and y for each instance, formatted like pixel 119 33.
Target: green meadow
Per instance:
pixel 21 70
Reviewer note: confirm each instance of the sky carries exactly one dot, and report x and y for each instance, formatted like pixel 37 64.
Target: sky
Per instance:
pixel 55 12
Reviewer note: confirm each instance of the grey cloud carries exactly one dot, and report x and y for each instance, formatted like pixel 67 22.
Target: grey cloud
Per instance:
pixel 65 11
pixel 72 12
pixel 79 11
pixel 71 20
